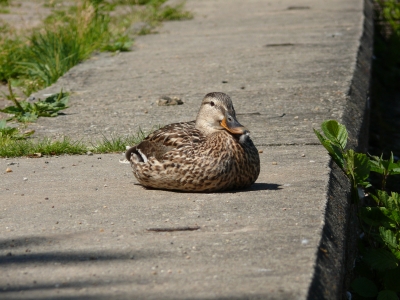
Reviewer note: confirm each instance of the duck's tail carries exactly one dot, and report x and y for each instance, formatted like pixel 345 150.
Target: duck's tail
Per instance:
pixel 134 154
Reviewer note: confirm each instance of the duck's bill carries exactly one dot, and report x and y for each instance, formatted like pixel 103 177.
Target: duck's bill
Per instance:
pixel 233 126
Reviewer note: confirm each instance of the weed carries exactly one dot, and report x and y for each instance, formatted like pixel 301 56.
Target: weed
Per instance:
pixel 12 133
pixel 5 2
pixel 354 165
pixel 70 35
pixel 378 266
pixel 25 111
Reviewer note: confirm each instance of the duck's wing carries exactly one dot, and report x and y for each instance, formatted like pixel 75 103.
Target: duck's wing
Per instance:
pixel 163 140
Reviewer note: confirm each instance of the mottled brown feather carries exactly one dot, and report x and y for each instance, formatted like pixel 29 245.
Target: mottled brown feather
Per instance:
pixel 181 157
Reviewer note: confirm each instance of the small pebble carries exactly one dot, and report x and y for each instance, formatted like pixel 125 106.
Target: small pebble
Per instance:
pixel 260 151
pixel 89 153
pixel 167 101
pixel 274 163
pixel 25 179
pixel 8 170
pixel 303 155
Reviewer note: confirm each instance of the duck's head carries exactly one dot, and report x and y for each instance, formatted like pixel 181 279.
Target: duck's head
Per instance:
pixel 216 114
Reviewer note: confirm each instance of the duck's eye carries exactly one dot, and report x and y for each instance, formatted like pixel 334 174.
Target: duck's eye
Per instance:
pixel 212 103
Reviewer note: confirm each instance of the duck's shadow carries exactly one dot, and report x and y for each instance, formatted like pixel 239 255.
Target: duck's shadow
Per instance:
pixel 258 186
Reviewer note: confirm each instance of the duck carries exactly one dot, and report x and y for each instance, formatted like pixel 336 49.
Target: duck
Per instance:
pixel 214 153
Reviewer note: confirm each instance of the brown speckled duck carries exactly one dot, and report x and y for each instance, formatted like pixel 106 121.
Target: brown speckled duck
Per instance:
pixel 213 153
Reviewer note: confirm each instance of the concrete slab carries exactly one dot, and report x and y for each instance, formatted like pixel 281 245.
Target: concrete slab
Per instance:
pixel 77 226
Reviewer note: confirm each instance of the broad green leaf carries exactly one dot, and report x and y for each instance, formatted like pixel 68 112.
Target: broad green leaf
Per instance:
pixel 396 253
pixel 364 287
pixel 10 110
pixel 27 117
pixel 387 295
pixel 396 170
pixel 376 165
pixel 29 112
pixel 392 214
pixel 381 166
pixel 380 259
pixel 388 237
pixel 393 168
pixel 319 136
pixel 396 199
pixel 335 153
pixel 381 198
pixel 335 132
pixel 349 155
pixel 361 167
pixel 333 150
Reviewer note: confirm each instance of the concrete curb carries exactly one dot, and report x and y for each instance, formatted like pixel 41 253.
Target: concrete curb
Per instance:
pixel 338 246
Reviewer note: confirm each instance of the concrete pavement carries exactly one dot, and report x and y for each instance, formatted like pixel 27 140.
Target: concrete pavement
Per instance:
pixel 76 227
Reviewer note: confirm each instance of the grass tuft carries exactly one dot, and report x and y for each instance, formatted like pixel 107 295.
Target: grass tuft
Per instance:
pixel 18 145
pixel 45 146
pixel 117 143
pixel 71 34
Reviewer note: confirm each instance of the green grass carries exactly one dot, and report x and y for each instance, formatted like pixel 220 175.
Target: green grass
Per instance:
pixel 71 34
pixel 116 143
pixel 45 146
pixel 13 143
pixel 27 147
pixel 5 2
